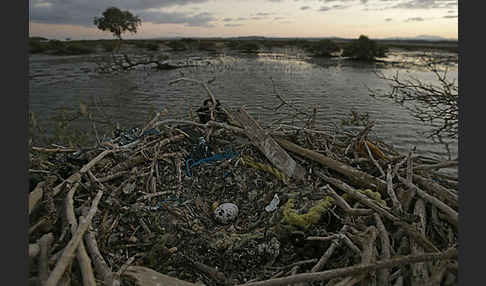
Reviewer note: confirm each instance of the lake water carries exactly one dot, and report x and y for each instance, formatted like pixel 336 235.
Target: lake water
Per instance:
pixel 336 86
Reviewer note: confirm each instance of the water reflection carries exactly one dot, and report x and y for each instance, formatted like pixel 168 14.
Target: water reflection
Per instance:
pixel 337 86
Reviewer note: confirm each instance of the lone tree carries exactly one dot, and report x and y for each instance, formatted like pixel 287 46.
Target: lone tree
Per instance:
pixel 117 22
pixel 364 49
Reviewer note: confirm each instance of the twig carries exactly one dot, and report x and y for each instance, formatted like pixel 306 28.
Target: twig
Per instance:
pixel 391 193
pixel 445 164
pixel 353 270
pixel 383 274
pixel 340 202
pixel 424 241
pixel 373 160
pixel 77 176
pixel 419 271
pixel 68 253
pixel 45 244
pixel 35 196
pixel 451 214
pixel 81 255
pixel 99 263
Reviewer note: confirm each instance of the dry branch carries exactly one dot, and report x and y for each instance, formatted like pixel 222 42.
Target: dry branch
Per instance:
pixel 353 270
pixel 81 255
pixel 361 178
pixel 35 196
pixel 68 253
pixel 267 145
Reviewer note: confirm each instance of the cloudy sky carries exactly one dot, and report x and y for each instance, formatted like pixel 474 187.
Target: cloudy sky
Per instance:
pixel 60 19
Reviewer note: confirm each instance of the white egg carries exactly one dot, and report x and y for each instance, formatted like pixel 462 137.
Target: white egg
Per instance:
pixel 226 212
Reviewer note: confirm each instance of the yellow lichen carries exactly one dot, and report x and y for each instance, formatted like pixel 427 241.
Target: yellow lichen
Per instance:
pixel 311 217
pixel 376 196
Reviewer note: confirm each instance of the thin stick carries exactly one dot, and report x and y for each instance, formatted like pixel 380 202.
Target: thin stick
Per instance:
pixel 68 253
pixel 45 243
pixel 99 263
pixel 77 176
pixel 383 274
pixel 452 215
pixel 352 270
pixel 53 150
pixel 81 255
pixel 391 193
pixel 35 196
pixel 373 159
pixel 445 164
pixel 340 202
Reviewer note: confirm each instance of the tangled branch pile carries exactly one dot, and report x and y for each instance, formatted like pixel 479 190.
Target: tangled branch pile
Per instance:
pixel 323 207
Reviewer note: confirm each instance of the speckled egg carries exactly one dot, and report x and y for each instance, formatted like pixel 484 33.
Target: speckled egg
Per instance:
pixel 226 213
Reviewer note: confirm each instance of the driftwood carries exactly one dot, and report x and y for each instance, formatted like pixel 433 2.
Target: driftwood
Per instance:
pixel 147 277
pixel 346 271
pixel 268 146
pixel 361 178
pixel 68 253
pixel 35 196
pixel 81 255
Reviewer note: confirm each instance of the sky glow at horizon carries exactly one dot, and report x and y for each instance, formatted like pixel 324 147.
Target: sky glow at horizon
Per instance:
pixel 61 19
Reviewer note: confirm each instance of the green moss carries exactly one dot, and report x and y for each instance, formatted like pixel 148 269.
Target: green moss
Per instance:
pixel 311 217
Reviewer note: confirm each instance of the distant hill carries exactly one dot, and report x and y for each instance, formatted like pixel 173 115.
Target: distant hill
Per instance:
pixel 419 38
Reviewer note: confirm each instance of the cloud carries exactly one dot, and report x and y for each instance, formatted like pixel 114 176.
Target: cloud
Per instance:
pixel 305 8
pixel 233 25
pixel 75 12
pixel 415 19
pixel 263 14
pixel 426 4
pixel 198 20
pixel 333 7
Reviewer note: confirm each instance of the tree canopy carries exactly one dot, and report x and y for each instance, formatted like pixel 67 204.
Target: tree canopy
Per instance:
pixel 117 22
pixel 364 49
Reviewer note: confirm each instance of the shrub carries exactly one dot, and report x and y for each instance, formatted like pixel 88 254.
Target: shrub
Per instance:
pixel 152 46
pixel 207 46
pixel 77 49
pixel 109 46
pixel 323 48
pixel 364 49
pixel 177 45
pixel 36 47
pixel 249 47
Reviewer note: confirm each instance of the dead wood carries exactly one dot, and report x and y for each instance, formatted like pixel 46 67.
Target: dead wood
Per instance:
pixel 354 175
pixel 144 276
pixel 267 145
pixel 35 196
pixel 346 271
pixel 68 253
pixel 45 245
pixel 81 255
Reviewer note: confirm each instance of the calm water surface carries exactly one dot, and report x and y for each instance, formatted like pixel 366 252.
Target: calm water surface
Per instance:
pixel 335 86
